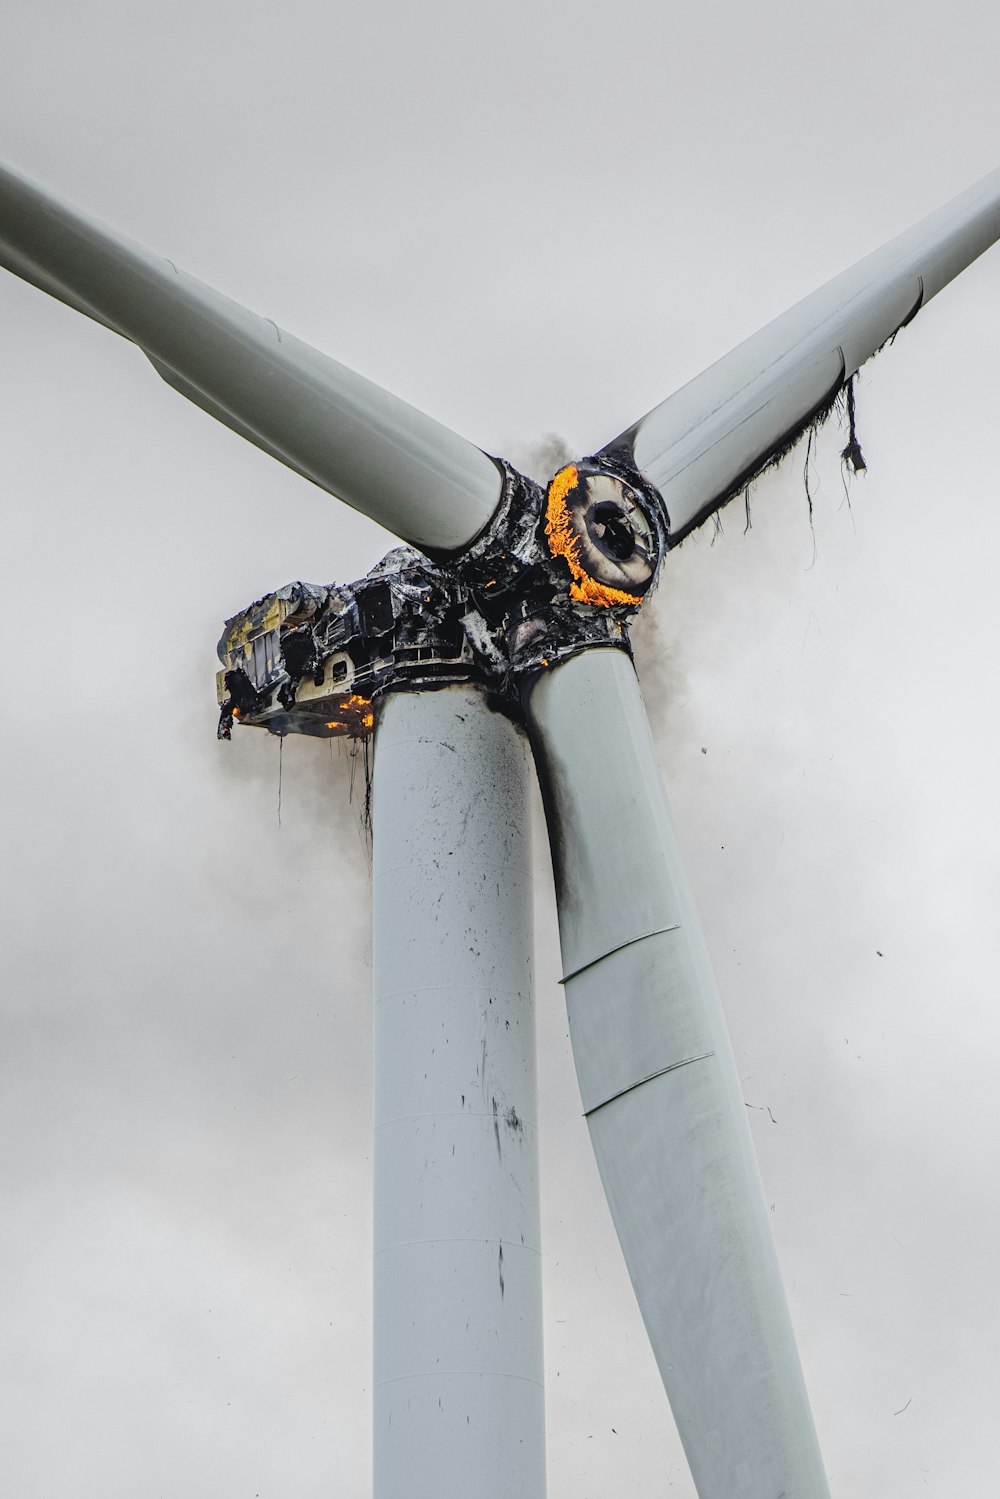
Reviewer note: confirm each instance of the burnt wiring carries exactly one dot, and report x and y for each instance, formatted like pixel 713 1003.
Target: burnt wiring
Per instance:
pixel 852 457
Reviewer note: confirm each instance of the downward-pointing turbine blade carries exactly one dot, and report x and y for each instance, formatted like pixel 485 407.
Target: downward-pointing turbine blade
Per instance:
pixel 705 442
pixel 662 1095
pixel 346 434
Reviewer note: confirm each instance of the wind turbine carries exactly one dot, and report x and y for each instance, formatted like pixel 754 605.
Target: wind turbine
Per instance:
pixel 522 605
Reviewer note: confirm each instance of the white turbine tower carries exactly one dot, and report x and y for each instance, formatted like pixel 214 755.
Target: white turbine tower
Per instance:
pixel 512 615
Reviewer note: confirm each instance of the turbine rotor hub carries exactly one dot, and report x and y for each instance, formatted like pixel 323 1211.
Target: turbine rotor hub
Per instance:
pixel 605 531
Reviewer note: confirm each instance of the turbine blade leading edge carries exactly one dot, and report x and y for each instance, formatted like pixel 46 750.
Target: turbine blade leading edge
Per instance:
pixel 348 435
pixel 662 1095
pixel 706 442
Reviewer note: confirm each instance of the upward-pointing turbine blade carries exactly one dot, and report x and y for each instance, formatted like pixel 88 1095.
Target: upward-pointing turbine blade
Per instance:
pixel 662 1095
pixel 705 442
pixel 346 434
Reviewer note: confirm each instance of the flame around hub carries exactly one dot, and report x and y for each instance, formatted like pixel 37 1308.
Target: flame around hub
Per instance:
pixel 595 522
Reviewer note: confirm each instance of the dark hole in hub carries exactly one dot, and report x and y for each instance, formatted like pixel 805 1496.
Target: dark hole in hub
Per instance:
pixel 612 531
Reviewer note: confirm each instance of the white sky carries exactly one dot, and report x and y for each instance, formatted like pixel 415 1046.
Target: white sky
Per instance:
pixel 523 219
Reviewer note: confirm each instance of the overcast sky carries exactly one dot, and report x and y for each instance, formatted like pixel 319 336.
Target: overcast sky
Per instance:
pixel 525 219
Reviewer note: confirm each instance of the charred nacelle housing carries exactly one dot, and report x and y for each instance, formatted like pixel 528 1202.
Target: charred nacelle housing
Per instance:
pixel 555 572
pixel 311 660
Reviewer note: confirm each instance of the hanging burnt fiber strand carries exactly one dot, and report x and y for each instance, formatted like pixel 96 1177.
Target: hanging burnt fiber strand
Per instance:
pixel 842 401
pixel 852 456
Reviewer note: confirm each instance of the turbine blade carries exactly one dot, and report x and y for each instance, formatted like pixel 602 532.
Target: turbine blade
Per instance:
pixel 346 434
pixel 662 1095
pixel 707 441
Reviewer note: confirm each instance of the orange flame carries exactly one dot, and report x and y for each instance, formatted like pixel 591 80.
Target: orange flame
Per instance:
pixel 564 542
pixel 358 712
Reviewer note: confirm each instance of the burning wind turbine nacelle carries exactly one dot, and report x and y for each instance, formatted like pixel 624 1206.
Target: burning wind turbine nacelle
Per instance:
pixel 553 573
pixel 309 659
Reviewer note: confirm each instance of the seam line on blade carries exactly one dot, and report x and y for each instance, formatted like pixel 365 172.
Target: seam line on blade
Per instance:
pixel 702 1057
pixel 656 932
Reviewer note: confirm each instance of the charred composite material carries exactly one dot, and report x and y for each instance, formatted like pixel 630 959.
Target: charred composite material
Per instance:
pixel 310 660
pixel 524 598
